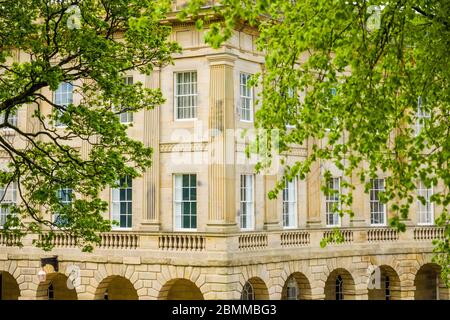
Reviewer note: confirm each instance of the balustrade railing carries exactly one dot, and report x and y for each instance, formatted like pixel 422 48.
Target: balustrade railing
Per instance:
pixel 184 242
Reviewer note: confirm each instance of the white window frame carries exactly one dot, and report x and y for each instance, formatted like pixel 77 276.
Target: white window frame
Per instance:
pixel 8 196
pixel 249 204
pixel 116 201
pixel 375 201
pixel 330 199
pixel 421 116
pixel 290 204
pixel 425 192
pixel 127 115
pixel 339 288
pixel 12 119
pixel 179 201
pixel 290 94
pixel 192 94
pixel 68 100
pixel 333 92
pixel 292 289
pixel 248 292
pixel 246 94
pixel 63 202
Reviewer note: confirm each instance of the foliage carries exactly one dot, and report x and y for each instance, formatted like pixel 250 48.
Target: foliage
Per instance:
pixel 349 76
pixel 91 44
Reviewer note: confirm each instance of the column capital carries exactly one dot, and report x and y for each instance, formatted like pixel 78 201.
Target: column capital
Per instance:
pixel 222 59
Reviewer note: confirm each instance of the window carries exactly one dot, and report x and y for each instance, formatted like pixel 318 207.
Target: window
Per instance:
pixel 50 292
pixel 421 117
pixel 12 118
pixel 332 203
pixel 292 289
pixel 333 92
pixel 63 96
pixel 247 292
pixel 387 288
pixel 122 209
pixel 186 95
pixel 292 107
pixel 185 201
pixel 8 198
pixel 127 116
pixel 246 98
pixel 65 198
pixel 339 288
pixel 290 204
pixel 425 210
pixel 377 208
pixel 246 205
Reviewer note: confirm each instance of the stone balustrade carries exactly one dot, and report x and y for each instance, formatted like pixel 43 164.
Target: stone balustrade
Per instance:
pixel 382 234
pixel 185 242
pixel 253 241
pixel 244 241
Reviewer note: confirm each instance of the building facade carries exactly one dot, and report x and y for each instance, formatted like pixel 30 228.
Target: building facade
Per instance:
pixel 199 225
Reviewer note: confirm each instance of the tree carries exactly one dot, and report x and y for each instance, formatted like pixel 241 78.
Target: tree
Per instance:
pixel 87 45
pixel 365 83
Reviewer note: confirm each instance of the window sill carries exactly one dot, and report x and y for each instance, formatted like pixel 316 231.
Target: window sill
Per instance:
pixel 121 229
pixel 290 228
pixel 184 230
pixel 186 120
pixel 378 225
pixel 247 229
pixel 333 226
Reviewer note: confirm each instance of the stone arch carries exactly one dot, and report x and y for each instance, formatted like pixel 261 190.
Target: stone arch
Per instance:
pixel 258 271
pixel 168 273
pixel 116 288
pixel 9 288
pixel 303 288
pixel 256 289
pixel 55 288
pixel 387 286
pixel 428 283
pixel 340 278
pixel 180 289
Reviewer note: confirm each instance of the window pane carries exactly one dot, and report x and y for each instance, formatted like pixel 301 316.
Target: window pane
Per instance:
pixel 185 95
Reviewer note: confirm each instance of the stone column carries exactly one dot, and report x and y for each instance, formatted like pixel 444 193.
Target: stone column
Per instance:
pixel 151 199
pixel 221 151
pixel 359 203
pixel 271 220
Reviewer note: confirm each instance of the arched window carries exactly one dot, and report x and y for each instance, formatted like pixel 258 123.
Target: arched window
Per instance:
pixel 339 288
pixel 247 292
pixel 292 289
pixel 51 292
pixel 387 288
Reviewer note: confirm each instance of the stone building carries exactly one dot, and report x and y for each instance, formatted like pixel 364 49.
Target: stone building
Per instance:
pixel 193 228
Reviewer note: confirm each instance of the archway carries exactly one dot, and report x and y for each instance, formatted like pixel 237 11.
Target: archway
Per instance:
pixel 386 284
pixel 429 285
pixel 340 285
pixel 296 287
pixel 55 288
pixel 9 289
pixel 254 289
pixel 180 289
pixel 116 288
